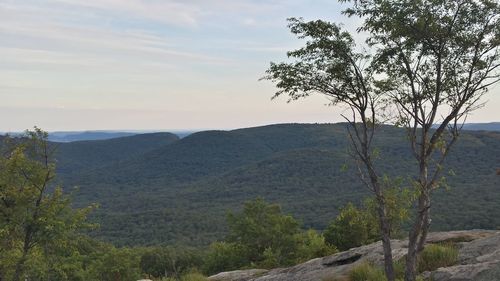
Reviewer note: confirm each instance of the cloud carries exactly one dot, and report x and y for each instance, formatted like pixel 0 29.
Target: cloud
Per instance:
pixel 55 40
pixel 169 12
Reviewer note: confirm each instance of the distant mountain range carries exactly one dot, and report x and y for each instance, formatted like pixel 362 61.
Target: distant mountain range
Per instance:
pixel 71 136
pixel 159 188
pixel 494 126
pixel 87 135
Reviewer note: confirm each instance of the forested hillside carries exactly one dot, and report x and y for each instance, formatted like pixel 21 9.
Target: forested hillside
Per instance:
pixel 80 155
pixel 157 189
pixel 493 126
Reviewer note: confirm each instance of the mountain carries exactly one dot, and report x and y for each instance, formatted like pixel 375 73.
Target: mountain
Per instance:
pixel 92 154
pixel 493 126
pixel 72 136
pixel 87 135
pixel 179 190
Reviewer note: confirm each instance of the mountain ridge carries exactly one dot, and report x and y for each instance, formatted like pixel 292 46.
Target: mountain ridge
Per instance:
pixel 180 191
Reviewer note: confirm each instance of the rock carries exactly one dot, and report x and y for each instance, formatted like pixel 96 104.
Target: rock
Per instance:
pixel 485 271
pixel 479 260
pixel 480 250
pixel 238 275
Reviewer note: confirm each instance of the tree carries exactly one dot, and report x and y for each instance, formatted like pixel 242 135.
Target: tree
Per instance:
pixel 439 58
pixel 35 215
pixel 261 235
pixel 169 261
pixel 330 65
pixel 353 227
pixel 116 265
pixel 261 227
pixel 428 63
pixel 223 256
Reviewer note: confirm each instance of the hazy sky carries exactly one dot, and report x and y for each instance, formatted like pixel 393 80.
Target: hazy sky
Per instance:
pixel 155 64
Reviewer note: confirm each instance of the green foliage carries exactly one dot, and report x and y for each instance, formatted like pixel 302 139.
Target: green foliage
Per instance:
pixel 36 219
pixel 312 245
pixel 116 264
pixel 181 191
pixel 223 256
pixel 169 261
pixel 399 269
pixel 435 256
pixel 352 228
pixel 369 272
pixel 267 236
pixel 75 156
pixel 398 202
pixel 261 236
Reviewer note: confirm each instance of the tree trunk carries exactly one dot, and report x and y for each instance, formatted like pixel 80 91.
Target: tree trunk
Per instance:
pixel 418 236
pixel 386 244
pixel 385 226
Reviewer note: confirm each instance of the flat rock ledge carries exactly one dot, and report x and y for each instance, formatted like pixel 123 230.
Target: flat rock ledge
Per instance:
pixel 479 260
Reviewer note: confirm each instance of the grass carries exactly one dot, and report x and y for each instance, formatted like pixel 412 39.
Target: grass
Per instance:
pixel 435 256
pixel 367 272
pixel 432 257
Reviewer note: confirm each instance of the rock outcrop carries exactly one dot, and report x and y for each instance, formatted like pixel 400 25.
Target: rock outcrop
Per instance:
pixel 479 260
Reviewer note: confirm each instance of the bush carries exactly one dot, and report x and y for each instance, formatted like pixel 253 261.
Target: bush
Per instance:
pixel 262 236
pixel 170 261
pixel 352 228
pixel 223 256
pixel 260 227
pixel 117 264
pixel 313 245
pixel 435 256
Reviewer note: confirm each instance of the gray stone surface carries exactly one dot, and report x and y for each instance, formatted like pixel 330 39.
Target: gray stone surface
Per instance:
pixel 238 275
pixel 479 260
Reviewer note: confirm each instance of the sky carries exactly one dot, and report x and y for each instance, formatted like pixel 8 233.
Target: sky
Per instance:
pixel 156 64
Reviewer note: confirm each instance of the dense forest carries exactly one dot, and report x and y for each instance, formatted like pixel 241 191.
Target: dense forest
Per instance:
pixel 159 189
pixel 204 221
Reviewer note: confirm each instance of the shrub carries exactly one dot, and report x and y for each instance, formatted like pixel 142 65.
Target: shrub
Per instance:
pixel 172 261
pixel 223 256
pixel 435 256
pixel 313 245
pixel 353 227
pixel 261 226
